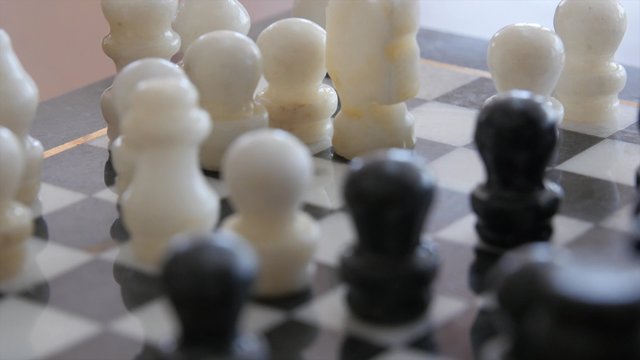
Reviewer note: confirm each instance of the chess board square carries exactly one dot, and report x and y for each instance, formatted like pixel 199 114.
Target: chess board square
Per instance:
pixel 448 206
pixel 297 340
pixel 330 311
pixel 445 123
pixel 108 346
pixel 84 225
pixel 258 318
pixel 431 150
pixel 449 280
pixel 609 160
pixel 590 199
pixel 407 354
pixel 80 169
pixel 627 115
pixel 101 142
pixel 54 198
pixel 337 234
pixel 622 220
pixel 44 262
pixel 124 256
pixel 570 144
pixel 107 194
pixel 32 331
pixel 326 189
pixel 440 81
pixel 628 134
pixel 460 170
pixel 601 243
pixel 472 95
pixel 154 323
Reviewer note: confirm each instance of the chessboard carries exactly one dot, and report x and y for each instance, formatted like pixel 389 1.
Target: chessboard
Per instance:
pixel 82 295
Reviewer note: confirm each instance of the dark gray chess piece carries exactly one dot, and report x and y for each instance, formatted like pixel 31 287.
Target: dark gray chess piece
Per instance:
pixel 208 278
pixel 390 269
pixel 515 136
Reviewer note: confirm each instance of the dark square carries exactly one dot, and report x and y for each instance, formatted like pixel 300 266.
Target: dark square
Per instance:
pixel 629 134
pixel 294 340
pixel 80 169
pixel 98 290
pixel 448 206
pixel 588 198
pixel 570 144
pixel 431 150
pixel 472 95
pixel 453 276
pixel 108 346
pixel 601 243
pixel 414 103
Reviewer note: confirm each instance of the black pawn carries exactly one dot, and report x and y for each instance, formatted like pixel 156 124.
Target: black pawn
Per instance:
pixel 389 270
pixel 516 135
pixel 571 312
pixel 208 278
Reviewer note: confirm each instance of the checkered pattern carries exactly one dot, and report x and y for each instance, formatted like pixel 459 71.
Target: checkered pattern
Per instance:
pixel 82 295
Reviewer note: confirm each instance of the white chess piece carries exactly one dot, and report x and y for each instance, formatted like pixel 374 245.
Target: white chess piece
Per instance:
pixel 295 97
pixel 15 219
pixel 18 105
pixel 198 17
pixel 314 10
pixel 139 29
pixel 169 194
pixel 267 172
pixel 124 85
pixel 591 81
pixel 373 59
pixel 527 57
pixel 226 66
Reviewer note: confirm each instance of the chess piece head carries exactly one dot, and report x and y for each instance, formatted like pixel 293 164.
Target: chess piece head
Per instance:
pixel 526 57
pixel 208 278
pixel 225 66
pixel 165 111
pixel 198 17
pixel 516 134
pixel 18 91
pixel 267 172
pixel 301 72
pixel 388 194
pixel 11 166
pixel 590 29
pixel 127 80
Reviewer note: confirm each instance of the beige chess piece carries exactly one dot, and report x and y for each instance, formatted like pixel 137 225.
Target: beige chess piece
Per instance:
pixel 373 60
pixel 18 105
pixel 591 81
pixel 15 219
pixel 169 194
pixel 226 66
pixel 295 97
pixel 268 172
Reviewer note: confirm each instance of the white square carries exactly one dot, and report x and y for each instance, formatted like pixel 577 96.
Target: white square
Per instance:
pixel 566 229
pixel 258 318
pixel 32 331
pixel 55 198
pixel 445 123
pixel 155 322
pixel 101 142
pixel 337 234
pixel 462 231
pixel 407 354
pixel 108 194
pixel 326 189
pixel 609 160
pixel 438 81
pixel 460 170
pixel 331 311
pixel 44 261
pixel 627 115
pixel 622 220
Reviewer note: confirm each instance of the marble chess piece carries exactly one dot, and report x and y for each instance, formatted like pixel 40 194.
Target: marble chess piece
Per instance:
pixel 314 10
pixel 267 172
pixel 591 81
pixel 294 67
pixel 198 17
pixel 124 85
pixel 527 57
pixel 18 105
pixel 15 219
pixel 169 194
pixel 373 59
pixel 226 67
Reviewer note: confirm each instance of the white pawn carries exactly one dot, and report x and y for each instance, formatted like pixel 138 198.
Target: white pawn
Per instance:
pixel 18 105
pixel 295 97
pixel 169 194
pixel 139 29
pixel 373 59
pixel 123 155
pixel 267 172
pixel 527 57
pixel 314 10
pixel 591 81
pixel 15 219
pixel 198 17
pixel 226 67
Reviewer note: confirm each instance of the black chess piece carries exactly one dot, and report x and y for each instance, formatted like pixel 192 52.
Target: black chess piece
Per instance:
pixel 389 270
pixel 571 310
pixel 515 136
pixel 208 278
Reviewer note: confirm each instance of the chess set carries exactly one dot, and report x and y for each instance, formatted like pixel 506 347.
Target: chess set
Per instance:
pixel 83 295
